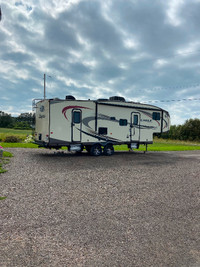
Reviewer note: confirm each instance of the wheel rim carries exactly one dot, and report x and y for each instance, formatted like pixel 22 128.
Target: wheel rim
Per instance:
pixel 108 150
pixel 97 151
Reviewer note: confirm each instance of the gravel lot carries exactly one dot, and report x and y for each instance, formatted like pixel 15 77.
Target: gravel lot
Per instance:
pixel 131 209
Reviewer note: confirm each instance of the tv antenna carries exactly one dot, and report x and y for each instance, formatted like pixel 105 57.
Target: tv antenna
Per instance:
pixel 45 84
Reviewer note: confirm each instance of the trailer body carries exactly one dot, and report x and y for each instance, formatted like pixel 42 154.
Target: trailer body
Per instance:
pixel 86 123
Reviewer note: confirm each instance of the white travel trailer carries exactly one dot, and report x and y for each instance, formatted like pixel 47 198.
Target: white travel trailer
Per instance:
pixel 97 125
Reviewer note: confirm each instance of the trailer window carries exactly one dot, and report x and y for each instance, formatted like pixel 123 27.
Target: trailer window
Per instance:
pixel 123 122
pixel 135 120
pixel 76 117
pixel 103 130
pixel 156 116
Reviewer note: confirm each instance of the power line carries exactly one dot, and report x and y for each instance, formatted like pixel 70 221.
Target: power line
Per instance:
pixel 182 86
pixel 166 57
pixel 172 100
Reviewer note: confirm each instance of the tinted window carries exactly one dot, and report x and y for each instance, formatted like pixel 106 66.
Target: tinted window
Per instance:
pixel 156 116
pixel 103 130
pixel 76 117
pixel 122 122
pixel 135 120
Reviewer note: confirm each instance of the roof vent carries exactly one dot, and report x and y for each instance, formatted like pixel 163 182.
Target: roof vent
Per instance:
pixel 117 98
pixel 70 97
pixel 102 99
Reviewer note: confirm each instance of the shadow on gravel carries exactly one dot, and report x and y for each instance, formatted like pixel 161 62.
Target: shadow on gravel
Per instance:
pixel 87 155
pixel 119 157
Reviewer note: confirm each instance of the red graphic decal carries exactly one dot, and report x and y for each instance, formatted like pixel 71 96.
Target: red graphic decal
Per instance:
pixel 64 111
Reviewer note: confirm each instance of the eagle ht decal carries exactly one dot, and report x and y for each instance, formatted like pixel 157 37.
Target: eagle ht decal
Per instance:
pixel 64 111
pixel 150 116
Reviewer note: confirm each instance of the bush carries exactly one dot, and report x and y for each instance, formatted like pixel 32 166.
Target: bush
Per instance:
pixel 189 131
pixel 12 139
pixel 29 139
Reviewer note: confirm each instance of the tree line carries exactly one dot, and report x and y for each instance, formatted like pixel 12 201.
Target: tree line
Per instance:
pixel 24 121
pixel 189 131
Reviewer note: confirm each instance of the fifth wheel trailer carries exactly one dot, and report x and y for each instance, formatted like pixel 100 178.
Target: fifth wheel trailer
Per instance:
pixel 96 125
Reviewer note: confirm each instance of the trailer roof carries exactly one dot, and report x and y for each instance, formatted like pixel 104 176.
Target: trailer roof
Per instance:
pixel 127 104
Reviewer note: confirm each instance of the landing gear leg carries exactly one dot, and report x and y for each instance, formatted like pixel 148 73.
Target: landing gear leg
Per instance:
pixel 146 149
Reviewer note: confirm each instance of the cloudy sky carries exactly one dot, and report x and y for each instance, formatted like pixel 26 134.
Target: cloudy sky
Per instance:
pixel 146 51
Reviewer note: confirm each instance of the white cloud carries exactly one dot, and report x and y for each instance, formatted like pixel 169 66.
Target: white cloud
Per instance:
pixel 160 63
pixel 141 50
pixel 130 43
pixel 173 12
pixel 36 90
pixel 4 98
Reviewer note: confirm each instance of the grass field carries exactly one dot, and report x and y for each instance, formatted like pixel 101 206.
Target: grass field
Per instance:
pixel 21 134
pixel 22 145
pixel 158 145
pixel 14 132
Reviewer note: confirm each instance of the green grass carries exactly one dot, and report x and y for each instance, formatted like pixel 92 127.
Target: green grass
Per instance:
pixel 170 147
pixel 4 160
pixel 7 154
pixel 1 169
pixel 21 134
pixel 22 145
pixel 158 145
pixel 2 198
pixel 15 132
pixel 163 146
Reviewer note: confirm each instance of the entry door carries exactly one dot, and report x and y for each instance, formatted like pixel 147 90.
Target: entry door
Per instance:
pixel 76 125
pixel 135 126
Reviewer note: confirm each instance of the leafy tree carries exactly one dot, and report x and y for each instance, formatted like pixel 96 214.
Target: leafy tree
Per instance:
pixel 190 131
pixel 6 121
pixel 25 117
pixel 24 121
pixel 22 125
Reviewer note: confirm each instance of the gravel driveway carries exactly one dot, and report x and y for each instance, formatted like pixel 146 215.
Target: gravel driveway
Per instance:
pixel 131 209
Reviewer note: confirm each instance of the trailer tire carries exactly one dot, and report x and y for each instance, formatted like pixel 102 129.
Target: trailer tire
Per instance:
pixel 96 150
pixel 108 150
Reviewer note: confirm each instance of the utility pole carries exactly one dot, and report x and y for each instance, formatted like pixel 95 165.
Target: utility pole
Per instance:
pixel 0 14
pixel 44 86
